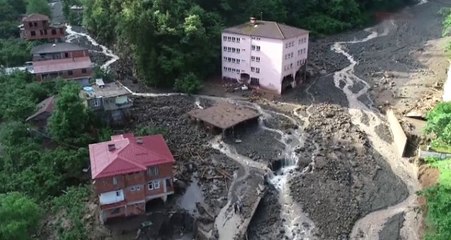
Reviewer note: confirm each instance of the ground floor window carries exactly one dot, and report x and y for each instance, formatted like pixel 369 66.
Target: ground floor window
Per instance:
pixel 255 82
pixel 155 184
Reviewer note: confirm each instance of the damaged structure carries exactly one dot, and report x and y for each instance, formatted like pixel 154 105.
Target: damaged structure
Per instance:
pixel 128 172
pixel 110 101
pixel 265 54
pixel 223 116
pixel 39 27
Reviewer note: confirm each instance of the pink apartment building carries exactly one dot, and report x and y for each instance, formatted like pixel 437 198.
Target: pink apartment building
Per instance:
pixel 265 54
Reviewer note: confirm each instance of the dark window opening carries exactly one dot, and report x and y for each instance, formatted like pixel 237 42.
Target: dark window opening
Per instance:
pixel 33 33
pixel 66 55
pixel 35 24
pixel 30 24
pixel 83 70
pixel 116 211
pixel 168 183
pixel 53 32
pixel 70 72
pixel 45 31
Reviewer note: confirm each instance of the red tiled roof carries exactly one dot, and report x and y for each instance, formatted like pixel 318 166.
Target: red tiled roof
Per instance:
pixel 58 65
pixel 35 17
pixel 128 155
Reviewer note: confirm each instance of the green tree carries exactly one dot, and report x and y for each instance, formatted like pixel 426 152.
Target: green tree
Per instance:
pixel 38 6
pixel 439 122
pixel 70 119
pixel 190 83
pixel 13 52
pixel 19 216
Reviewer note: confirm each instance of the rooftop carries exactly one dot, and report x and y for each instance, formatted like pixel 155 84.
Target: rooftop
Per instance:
pixel 45 106
pixel 127 154
pixel 35 17
pixel 65 64
pixel 224 115
pixel 106 90
pixel 56 48
pixel 267 29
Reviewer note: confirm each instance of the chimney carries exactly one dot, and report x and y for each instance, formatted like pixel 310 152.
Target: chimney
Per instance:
pixel 111 147
pixel 253 21
pixel 139 140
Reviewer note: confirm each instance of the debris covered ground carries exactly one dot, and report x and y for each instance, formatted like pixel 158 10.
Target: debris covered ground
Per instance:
pixel 346 178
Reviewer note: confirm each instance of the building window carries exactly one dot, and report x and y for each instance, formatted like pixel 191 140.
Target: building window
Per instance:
pixel 33 33
pixel 257 59
pixel 258 48
pixel 229 59
pixel 70 73
pixel 253 59
pixel 255 81
pixel 135 188
pixel 30 24
pixel 35 24
pixel 154 184
pixel 53 32
pixel 153 171
pixel 291 55
pixel 238 40
pixel 114 180
pixel 253 47
pixel 229 39
pixel 233 39
pixel 233 60
pixel 225 49
pixel 252 69
pixel 257 70
pixel 224 38
pixel 238 50
pixel 229 49
pixel 233 50
pixel 83 70
pixel 238 61
pixel 225 59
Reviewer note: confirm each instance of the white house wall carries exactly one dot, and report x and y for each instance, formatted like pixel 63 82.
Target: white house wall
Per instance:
pixel 272 58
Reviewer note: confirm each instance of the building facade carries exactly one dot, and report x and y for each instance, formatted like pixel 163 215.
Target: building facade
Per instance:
pixel 64 60
pixel 129 171
pixel 38 27
pixel 265 54
pixel 110 101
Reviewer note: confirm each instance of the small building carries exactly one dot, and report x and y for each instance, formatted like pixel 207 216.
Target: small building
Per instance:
pixel 265 54
pixel 38 27
pixel 52 51
pixel 43 112
pixel 64 60
pixel 223 116
pixel 110 101
pixel 129 171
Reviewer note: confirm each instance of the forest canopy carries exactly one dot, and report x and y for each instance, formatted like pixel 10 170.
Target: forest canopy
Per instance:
pixel 178 39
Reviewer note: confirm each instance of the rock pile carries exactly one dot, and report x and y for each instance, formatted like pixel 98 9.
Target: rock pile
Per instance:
pixel 348 179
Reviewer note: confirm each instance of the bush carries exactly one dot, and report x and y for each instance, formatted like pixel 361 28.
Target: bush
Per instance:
pixel 438 218
pixel 190 84
pixel 438 122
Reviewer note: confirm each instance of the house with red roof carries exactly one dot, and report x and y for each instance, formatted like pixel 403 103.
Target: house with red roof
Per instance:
pixel 129 171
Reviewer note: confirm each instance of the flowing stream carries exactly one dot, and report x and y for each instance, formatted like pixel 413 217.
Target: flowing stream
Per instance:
pixel 369 226
pixel 297 224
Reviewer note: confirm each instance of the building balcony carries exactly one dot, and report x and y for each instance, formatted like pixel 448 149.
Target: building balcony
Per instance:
pixel 112 197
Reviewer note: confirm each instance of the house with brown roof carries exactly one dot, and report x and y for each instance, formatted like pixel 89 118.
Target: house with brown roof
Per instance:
pixel 39 27
pixel 43 112
pixel 64 60
pixel 128 172
pixel 265 54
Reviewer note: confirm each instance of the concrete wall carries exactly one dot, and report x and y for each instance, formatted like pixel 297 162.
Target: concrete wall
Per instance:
pixel 399 136
pixel 297 48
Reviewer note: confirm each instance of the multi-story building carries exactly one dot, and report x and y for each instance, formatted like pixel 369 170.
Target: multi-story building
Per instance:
pixel 129 171
pixel 64 60
pixel 38 27
pixel 265 54
pixel 110 101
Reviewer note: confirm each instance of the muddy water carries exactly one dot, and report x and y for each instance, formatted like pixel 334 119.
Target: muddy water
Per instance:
pixel 297 225
pixel 192 195
pixel 369 226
